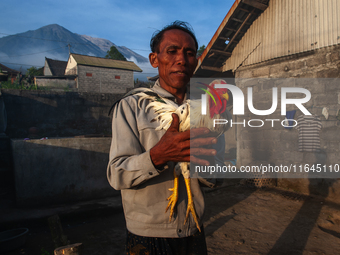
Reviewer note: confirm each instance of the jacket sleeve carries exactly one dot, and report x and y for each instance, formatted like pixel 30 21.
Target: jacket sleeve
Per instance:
pixel 129 162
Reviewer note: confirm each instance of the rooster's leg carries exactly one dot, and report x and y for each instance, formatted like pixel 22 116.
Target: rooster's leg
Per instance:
pixel 191 206
pixel 173 197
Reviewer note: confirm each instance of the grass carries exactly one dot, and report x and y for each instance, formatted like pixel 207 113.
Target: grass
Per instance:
pixel 22 86
pixel 44 252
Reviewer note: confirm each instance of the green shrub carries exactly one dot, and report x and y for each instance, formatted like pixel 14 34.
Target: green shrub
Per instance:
pixel 22 86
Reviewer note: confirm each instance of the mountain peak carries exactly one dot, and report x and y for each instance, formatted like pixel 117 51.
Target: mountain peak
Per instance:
pixel 31 47
pixel 52 26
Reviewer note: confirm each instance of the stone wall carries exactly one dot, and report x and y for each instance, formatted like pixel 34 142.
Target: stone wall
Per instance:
pixel 277 145
pixel 61 170
pixel 57 114
pixel 104 80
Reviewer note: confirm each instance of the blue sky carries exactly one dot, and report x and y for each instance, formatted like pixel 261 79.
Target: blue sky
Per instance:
pixel 127 23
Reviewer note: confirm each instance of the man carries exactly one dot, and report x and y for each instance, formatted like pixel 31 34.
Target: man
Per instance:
pixel 142 159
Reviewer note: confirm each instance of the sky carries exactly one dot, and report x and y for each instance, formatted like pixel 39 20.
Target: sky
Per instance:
pixel 127 23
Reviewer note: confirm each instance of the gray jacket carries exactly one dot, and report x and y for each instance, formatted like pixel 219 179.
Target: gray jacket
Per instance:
pixel 144 188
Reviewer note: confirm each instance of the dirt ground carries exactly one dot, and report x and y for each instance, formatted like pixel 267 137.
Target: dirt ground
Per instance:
pixel 238 220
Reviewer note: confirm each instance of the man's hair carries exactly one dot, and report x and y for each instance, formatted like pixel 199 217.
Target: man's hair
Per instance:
pixel 158 35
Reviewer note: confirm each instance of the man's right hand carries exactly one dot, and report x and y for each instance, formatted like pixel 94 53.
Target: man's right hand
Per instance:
pixel 175 145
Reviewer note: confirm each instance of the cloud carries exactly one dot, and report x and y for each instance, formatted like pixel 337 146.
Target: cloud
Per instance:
pixel 148 70
pixel 25 61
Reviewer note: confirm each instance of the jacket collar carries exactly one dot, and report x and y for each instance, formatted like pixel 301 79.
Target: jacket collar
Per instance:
pixel 164 93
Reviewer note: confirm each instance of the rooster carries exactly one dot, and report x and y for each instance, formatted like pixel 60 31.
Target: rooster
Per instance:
pixel 189 117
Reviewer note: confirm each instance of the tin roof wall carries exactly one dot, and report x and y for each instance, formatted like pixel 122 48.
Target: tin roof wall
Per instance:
pixel 105 62
pixel 286 28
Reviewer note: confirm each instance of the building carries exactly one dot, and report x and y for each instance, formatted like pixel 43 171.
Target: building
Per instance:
pixel 102 75
pixel 276 44
pixel 54 76
pixel 54 67
pixel 8 74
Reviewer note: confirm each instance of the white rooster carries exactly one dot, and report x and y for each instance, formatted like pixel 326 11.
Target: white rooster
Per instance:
pixel 189 117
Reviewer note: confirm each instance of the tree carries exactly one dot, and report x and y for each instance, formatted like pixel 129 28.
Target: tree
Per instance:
pixel 200 50
pixel 113 53
pixel 33 71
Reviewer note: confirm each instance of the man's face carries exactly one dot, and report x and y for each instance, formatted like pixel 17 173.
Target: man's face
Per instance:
pixel 175 59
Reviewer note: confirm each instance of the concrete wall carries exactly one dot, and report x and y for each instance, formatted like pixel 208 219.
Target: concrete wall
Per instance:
pixel 104 80
pixel 321 63
pixel 57 114
pixel 278 145
pixel 55 83
pixel 61 170
pixel 230 142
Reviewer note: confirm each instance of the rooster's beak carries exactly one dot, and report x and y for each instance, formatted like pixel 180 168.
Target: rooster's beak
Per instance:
pixel 226 96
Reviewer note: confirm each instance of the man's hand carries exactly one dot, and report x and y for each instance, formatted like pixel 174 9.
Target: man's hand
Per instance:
pixel 175 145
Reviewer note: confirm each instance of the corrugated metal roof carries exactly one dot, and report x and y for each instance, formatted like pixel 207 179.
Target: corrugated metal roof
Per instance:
pixel 235 24
pixel 105 62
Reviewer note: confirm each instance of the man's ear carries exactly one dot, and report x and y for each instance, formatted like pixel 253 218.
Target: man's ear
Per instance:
pixel 153 59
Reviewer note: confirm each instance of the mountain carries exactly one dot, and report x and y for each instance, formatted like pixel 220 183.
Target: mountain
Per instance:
pixel 30 48
pixel 105 45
